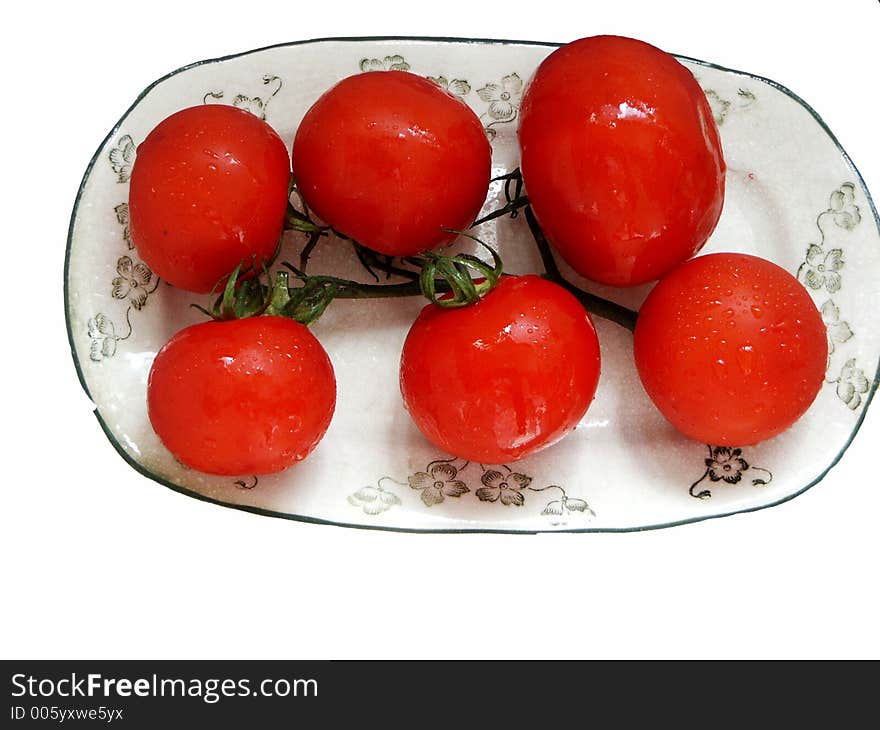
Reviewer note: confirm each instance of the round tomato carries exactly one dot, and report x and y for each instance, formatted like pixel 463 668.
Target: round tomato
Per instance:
pixel 247 396
pixel 503 378
pixel 390 159
pixel 621 159
pixel 730 348
pixel 208 191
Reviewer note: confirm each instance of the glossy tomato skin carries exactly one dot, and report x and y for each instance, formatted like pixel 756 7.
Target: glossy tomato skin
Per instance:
pixel 248 396
pixel 208 191
pixel 501 379
pixel 621 159
pixel 389 159
pixel 730 348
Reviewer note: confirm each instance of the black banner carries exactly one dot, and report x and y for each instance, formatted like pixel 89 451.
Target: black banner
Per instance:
pixel 264 694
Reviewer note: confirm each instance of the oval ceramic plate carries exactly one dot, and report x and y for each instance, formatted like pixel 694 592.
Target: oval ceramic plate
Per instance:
pixel 793 196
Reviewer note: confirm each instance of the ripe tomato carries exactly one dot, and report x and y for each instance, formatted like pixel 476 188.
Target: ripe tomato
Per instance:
pixel 621 159
pixel 730 348
pixel 208 191
pixel 389 159
pixel 503 378
pixel 247 396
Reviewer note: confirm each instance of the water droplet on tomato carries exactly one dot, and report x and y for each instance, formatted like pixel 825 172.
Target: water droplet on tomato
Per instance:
pixel 757 312
pixel 745 358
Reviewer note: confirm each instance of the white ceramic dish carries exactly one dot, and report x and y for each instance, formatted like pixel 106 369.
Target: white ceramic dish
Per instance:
pixel 793 196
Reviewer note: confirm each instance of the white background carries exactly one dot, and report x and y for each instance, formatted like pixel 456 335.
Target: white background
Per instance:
pixel 99 562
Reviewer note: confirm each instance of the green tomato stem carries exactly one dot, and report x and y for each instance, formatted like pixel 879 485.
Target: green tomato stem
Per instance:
pixel 592 303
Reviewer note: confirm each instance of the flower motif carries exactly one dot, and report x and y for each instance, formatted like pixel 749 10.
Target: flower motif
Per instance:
pixel 559 509
pixel 456 87
pixel 122 158
pixel 102 332
pixel 389 63
pixel 503 97
pixel 726 464
pixel 373 500
pixel 852 384
pixel 719 106
pixel 506 487
pixel 438 482
pixel 838 332
pixel 820 269
pixel 843 208
pixel 132 282
pixel 123 219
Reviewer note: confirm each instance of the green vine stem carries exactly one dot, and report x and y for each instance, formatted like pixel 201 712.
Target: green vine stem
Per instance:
pixel 444 273
pixel 592 303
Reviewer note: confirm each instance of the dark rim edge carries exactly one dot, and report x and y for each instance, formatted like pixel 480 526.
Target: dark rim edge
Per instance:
pixel 319 521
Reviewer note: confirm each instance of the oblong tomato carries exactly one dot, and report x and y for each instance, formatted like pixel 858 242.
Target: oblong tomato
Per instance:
pixel 621 159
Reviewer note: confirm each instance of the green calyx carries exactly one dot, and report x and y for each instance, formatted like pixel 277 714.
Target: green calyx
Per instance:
pixel 455 273
pixel 249 292
pixel 250 297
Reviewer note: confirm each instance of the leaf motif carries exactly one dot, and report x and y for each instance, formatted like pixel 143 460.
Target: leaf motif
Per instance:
pixel 373 508
pixel 488 494
pixel 554 508
pixel 106 327
pixel 108 347
pixel 847 393
pixel 830 311
pixel 577 505
pixel 839 332
pixel 460 87
pixel 122 215
pixel 389 499
pixel 396 63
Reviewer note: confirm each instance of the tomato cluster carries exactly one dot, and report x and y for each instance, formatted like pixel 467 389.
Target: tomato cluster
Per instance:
pixel 624 172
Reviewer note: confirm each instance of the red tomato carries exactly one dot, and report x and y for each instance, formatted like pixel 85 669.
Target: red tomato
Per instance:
pixel 503 378
pixel 208 191
pixel 730 348
pixel 247 396
pixel 389 159
pixel 621 159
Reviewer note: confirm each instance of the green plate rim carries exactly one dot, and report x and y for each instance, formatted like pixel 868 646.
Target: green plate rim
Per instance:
pixel 319 521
